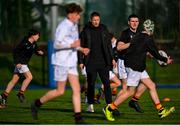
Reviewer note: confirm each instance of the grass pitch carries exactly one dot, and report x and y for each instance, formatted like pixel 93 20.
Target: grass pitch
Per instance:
pixel 59 111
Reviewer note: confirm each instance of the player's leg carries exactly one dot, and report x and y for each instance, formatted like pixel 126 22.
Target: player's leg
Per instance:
pixel 114 81
pixel 108 110
pixel 60 76
pixel 4 95
pixel 122 75
pixel 133 78
pixel 74 82
pixel 50 95
pixel 117 82
pixel 162 111
pixel 28 77
pixel 133 103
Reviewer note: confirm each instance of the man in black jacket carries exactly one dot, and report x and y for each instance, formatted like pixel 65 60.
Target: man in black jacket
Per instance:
pixel 95 36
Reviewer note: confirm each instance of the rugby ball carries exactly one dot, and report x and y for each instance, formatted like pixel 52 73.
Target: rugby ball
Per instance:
pixel 164 54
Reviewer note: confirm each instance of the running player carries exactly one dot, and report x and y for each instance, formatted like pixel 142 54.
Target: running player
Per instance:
pixel 122 44
pixel 65 62
pixel 135 62
pixel 21 55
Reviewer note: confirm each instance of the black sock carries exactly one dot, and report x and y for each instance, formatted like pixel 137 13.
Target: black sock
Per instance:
pixel 77 116
pixel 110 109
pixel 38 103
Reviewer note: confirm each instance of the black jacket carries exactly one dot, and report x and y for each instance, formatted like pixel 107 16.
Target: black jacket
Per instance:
pixel 23 51
pixel 85 37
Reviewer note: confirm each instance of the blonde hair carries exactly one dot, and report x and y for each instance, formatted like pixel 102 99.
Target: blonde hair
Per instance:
pixel 149 26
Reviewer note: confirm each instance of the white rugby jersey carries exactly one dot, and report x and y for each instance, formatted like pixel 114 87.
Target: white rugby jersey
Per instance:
pixel 66 33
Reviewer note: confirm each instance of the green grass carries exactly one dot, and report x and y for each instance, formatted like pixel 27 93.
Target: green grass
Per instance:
pixel 59 111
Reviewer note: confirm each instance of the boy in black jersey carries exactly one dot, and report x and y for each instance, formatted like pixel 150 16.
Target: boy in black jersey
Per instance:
pixel 122 44
pixel 22 54
pixel 135 63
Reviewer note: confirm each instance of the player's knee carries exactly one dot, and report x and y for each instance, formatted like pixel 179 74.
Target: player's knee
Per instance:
pixel 29 77
pixel 60 92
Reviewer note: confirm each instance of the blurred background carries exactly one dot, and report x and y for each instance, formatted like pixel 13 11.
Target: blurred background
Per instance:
pixel 17 16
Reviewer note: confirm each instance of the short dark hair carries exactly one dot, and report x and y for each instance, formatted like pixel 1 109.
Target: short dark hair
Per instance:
pixel 32 32
pixel 94 14
pixel 132 16
pixel 72 7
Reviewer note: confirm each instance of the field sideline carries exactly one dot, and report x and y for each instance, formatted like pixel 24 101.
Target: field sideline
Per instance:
pixel 60 110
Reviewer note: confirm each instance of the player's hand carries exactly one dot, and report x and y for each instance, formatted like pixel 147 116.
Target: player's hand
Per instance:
pixel 40 52
pixel 75 44
pixel 85 51
pixel 169 60
pixel 18 66
pixel 81 66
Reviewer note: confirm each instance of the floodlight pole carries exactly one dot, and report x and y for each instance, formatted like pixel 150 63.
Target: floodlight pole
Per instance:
pixel 53 19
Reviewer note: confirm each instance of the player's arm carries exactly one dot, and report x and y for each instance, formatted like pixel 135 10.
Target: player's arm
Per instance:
pixel 38 51
pixel 152 49
pixel 121 45
pixel 63 39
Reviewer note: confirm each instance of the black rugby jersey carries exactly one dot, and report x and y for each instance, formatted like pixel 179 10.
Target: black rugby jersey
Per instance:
pixel 23 51
pixel 136 53
pixel 125 37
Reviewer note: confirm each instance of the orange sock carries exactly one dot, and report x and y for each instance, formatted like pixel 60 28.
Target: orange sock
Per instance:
pixel 113 106
pixel 21 92
pixel 5 94
pixel 159 106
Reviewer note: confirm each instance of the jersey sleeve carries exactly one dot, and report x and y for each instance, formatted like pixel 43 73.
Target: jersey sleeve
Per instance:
pixel 153 49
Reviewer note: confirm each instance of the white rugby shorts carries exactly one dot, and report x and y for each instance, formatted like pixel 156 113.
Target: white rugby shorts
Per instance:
pixel 111 75
pixel 23 69
pixel 61 72
pixel 121 69
pixel 134 77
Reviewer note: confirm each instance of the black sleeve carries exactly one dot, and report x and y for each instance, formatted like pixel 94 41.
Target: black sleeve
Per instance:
pixel 123 37
pixel 152 49
pixel 36 49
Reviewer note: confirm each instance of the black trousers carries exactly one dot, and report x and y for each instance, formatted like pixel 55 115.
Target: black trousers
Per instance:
pixel 91 79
